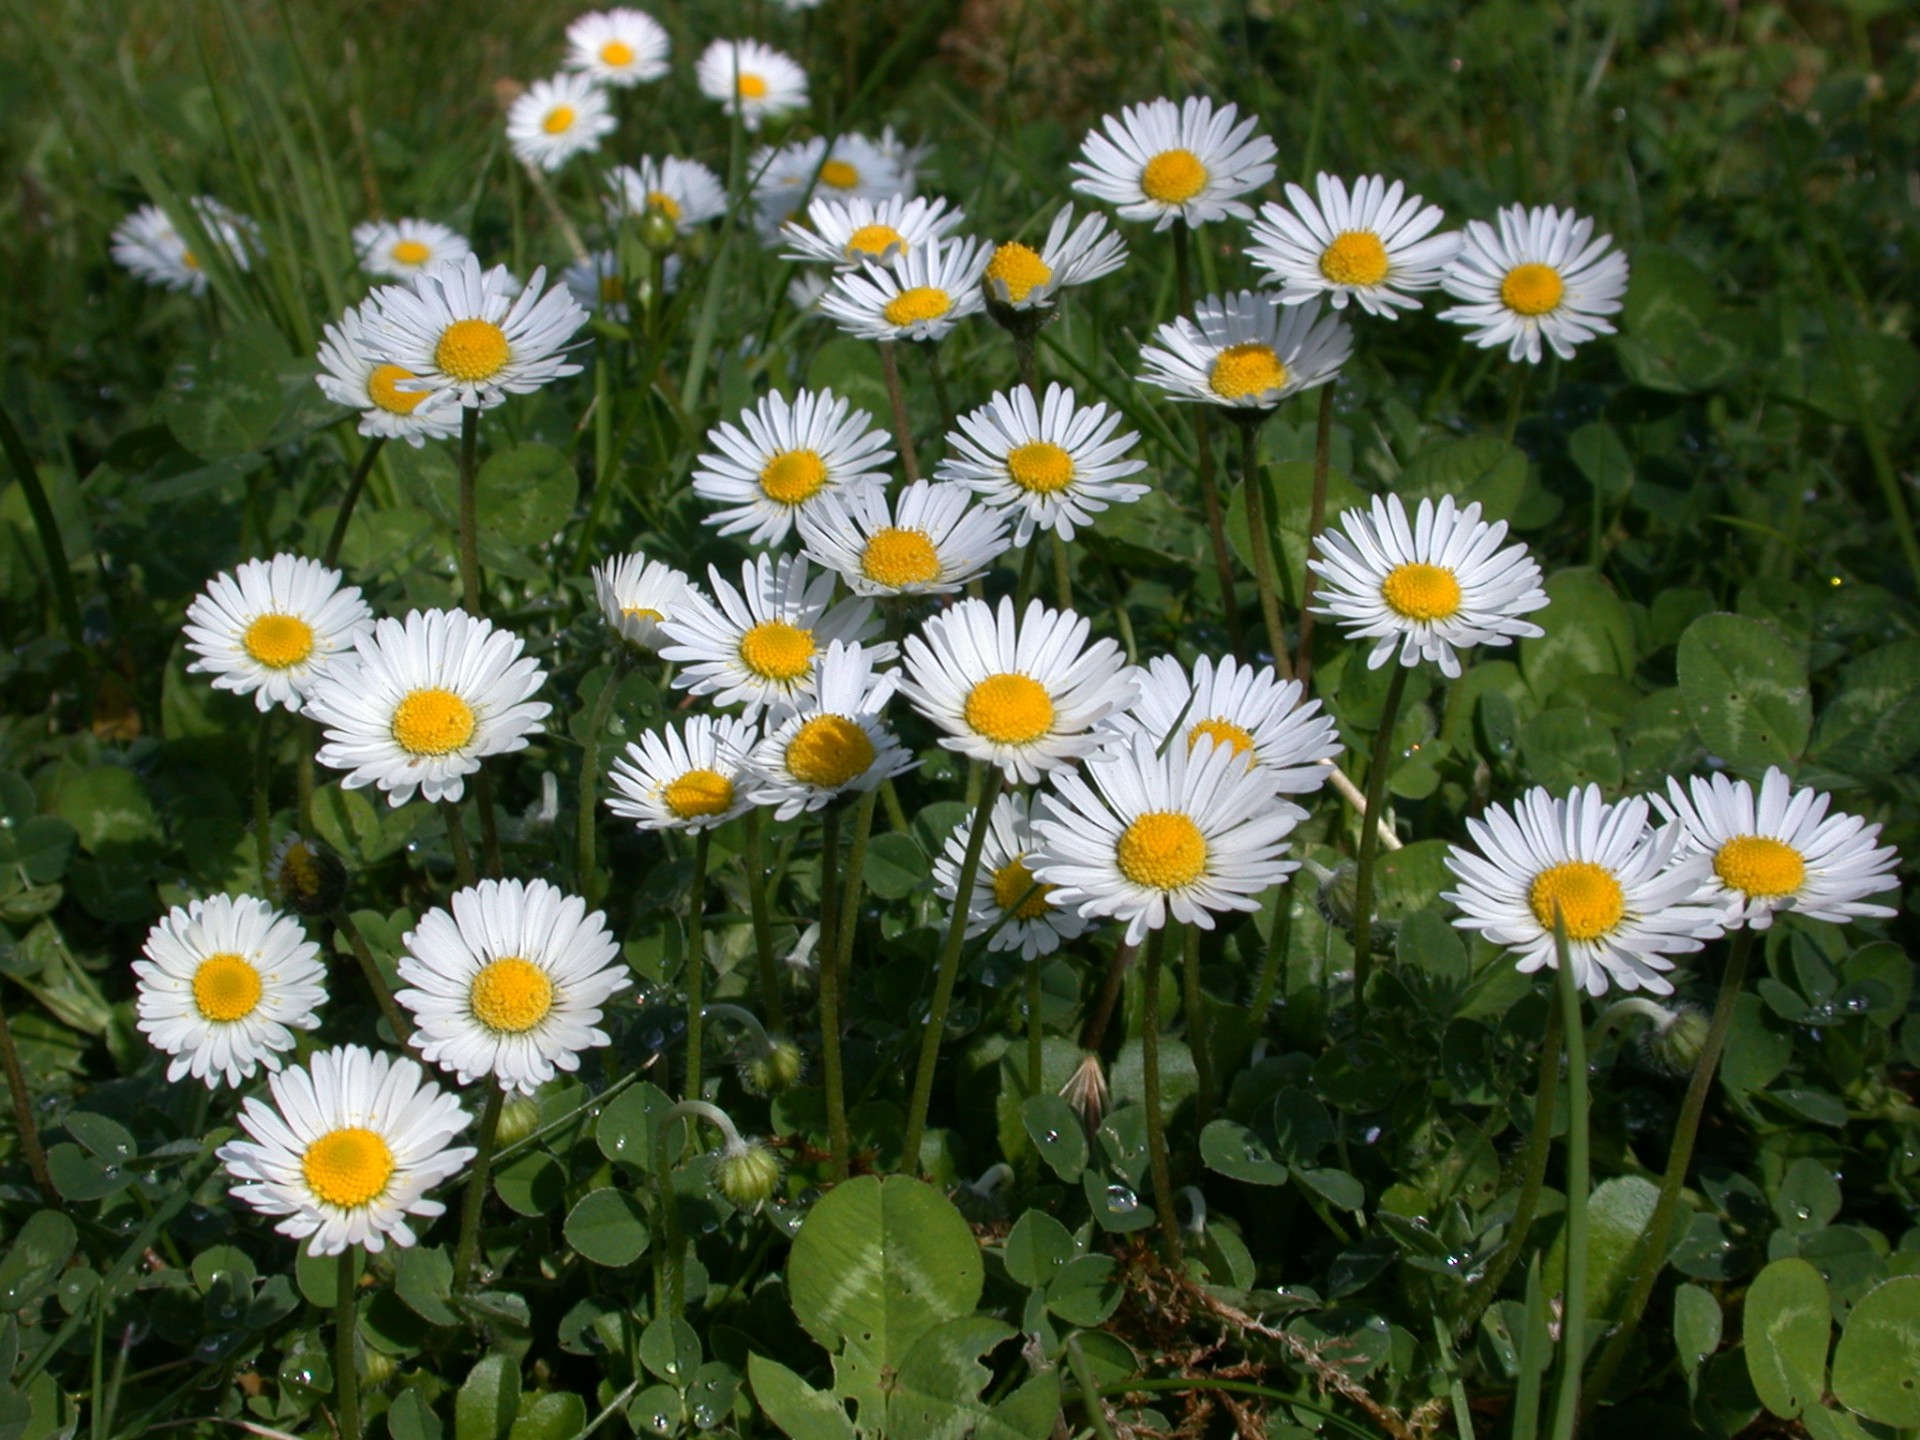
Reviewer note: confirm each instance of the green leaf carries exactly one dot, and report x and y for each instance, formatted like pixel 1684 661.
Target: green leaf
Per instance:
pixel 795 1406
pixel 1085 1293
pixel 34 1258
pixel 1745 685
pixel 624 1131
pixel 1876 1367
pixel 671 1350
pixel 1808 1197
pixel 107 1139
pixel 608 1227
pixel 1600 457
pixel 411 1417
pixel 107 808
pixel 895 866
pixel 1588 632
pixel 1617 1213
pixel 559 1415
pixel 78 1176
pixel 1054 1127
pixel 533 1184
pixel 1038 1248
pixel 1337 1187
pixel 524 496
pixel 1786 1322
pixel 1567 747
pixel 1885 367
pixel 851 369
pixel 936 1394
pixel 1697 1324
pixel 1871 727
pixel 226 400
pixel 1478 468
pixel 423 1278
pixel 1231 1149
pixel 489 1400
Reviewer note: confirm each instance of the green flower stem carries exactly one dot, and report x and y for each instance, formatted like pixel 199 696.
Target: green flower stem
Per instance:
pixel 949 971
pixel 1260 536
pixel 1026 356
pixel 489 826
pixel 1649 1256
pixel 457 838
pixel 829 881
pixel 263 796
pixel 853 884
pixel 1279 939
pixel 1377 768
pixel 338 535
pixel 1316 522
pixel 1163 1200
pixel 832 1073
pixel 1197 1041
pixel 902 429
pixel 303 773
pixel 470 596
pixel 939 374
pixel 1062 571
pixel 586 828
pixel 756 863
pixel 23 1123
pixel 370 970
pixel 1573 1319
pixel 1036 1036
pixel 475 1199
pixel 1203 446
pixel 670 1266
pixel 1094 1033
pixel 346 1365
pixel 696 964
pixel 1517 399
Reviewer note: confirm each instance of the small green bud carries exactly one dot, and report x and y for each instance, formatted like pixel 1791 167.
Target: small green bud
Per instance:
pixel 748 1174
pixel 777 1069
pixel 376 1366
pixel 658 232
pixel 307 877
pixel 519 1118
pixel 1676 1043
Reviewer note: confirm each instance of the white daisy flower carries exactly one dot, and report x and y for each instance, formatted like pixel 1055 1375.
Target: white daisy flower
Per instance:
pixel 147 244
pixel 348 1150
pixel 920 295
pixel 805 291
pixel 692 776
pixel 1054 465
pixel 1186 832
pixel 636 594
pixel 423 701
pixel 847 233
pixel 225 983
pixel 1003 885
pixel 272 628
pixel 760 645
pixel 684 191
pixel 835 740
pixel 374 388
pixel 784 455
pixel 618 47
pixel 510 984
pixel 1247 708
pixel 1374 244
pixel 401 249
pixel 1246 351
pixel 1779 852
pixel 1623 891
pixel 906 159
pixel 1429 589
pixel 600 287
pixel 473 336
pixel 558 118
pixel 1541 276
pixel 928 540
pixel 847 167
pixel 1165 162
pixel 1025 697
pixel 1020 278
pixel 751 80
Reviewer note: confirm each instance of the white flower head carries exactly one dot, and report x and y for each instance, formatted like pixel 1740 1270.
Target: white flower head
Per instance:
pixel 784 455
pixel 148 244
pixel 1373 245
pixel 375 387
pixel 1247 708
pixel 618 47
pixel 272 628
pixel 684 191
pixel 692 776
pixel 1034 922
pixel 601 286
pixel 1022 278
pixel 929 539
pixel 400 249
pixel 921 295
pixel 832 741
pixel 635 594
pixel 848 166
pixel 1165 162
pixel 751 80
pixel 1246 351
pixel 558 118
pixel 1540 277
pixel 848 233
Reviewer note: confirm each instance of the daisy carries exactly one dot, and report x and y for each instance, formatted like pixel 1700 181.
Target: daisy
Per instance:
pixel 1026 698
pixel 148 244
pixel 1054 465
pixel 920 296
pixel 832 741
pixel 1374 244
pixel 347 377
pixel 1542 276
pixel 510 984
pixel 636 594
pixel 1430 589
pixel 472 336
pixel 690 777
pixel 422 701
pixel 761 644
pixel 1165 162
pixel 783 456
pixel 225 983
pixel 1020 278
pixel 1248 709
pixel 557 119
pixel 683 191
pixel 272 628
pixel 751 80
pixel 600 287
pixel 1034 923
pixel 404 248
pixel 928 540
pixel 1623 892
pixel 847 233
pixel 348 1149
pixel 1779 852
pixel 906 159
pixel 1246 351
pixel 847 167
pixel 1182 833
pixel 619 47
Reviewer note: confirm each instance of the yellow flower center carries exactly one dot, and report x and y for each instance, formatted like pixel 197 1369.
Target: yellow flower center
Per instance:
pixel 900 557
pixel 432 721
pixel 697 793
pixel 662 203
pixel 1173 177
pixel 775 650
pixel 472 350
pixel 1221 731
pixel 612 289
pixel 1532 289
pixel 751 87
pixel 384 392
pixel 1010 709
pixel 559 120
pixel 1019 268
pixel 793 476
pixel 829 751
pixel 839 174
pixel 278 641
pixel 1421 592
pixel 1162 850
pixel 641 612
pixel 225 988
pixel 1356 257
pixel 875 240
pixel 1589 899
pixel 1011 882
pixel 347 1168
pixel 1760 866
pixel 189 259
pixel 616 53
pixel 921 302
pixel 299 872
pixel 1247 369
pixel 511 995
pixel 1040 466
pixel 409 252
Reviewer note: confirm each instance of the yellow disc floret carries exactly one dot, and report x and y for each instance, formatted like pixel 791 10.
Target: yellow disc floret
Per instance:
pixel 616 54
pixel 1760 866
pixel 1162 850
pixel 510 995
pixel 432 721
pixel 1356 257
pixel 613 289
pixel 347 1168
pixel 1010 709
pixel 383 389
pixel 751 87
pixel 1040 466
pixel 559 120
pixel 1173 177
pixel 829 751
pixel 641 612
pixel 472 350
pixel 698 793
pixel 1019 268
pixel 1246 369
pixel 897 558
pixel 1011 882
pixel 1221 731
pixel 661 203
pixel 875 240
pixel 793 476
pixel 1589 899
pixel 225 988
pixel 409 252
pixel 278 642
pixel 776 650
pixel 839 174
pixel 1417 591
pixel 1532 289
pixel 917 304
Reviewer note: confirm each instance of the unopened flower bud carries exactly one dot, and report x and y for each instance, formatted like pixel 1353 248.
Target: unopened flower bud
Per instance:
pixel 519 1118
pixel 307 877
pixel 658 232
pixel 747 1173
pixel 1675 1043
pixel 775 1069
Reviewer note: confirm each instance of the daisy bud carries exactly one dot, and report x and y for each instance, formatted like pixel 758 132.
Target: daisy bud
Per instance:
pixel 776 1069
pixel 747 1173
pixel 519 1118
pixel 658 231
pixel 1675 1042
pixel 307 877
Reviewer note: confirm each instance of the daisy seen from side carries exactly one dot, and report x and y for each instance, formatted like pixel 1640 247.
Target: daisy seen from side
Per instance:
pixel 1165 162
pixel 1246 351
pixel 635 594
pixel 929 539
pixel 1247 708
pixel 751 80
pixel 1034 923
pixel 921 295
pixel 1020 278
pixel 847 233
pixel 400 249
pixel 1372 245
pixel 1540 278
pixel 690 776
pixel 386 395
pixel 832 741
pixel 768 464
pixel 271 628
pixel 558 118
pixel 618 47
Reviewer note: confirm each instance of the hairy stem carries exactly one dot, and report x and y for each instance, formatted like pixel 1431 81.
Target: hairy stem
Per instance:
pixel 475 1199
pixel 338 535
pixel 770 996
pixel 1156 1121
pixel 897 397
pixel 1377 767
pixel 1316 522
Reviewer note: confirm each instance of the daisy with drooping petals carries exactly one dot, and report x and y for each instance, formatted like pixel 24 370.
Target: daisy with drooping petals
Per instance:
pixel 751 80
pixel 1247 708
pixel 760 645
pixel 928 540
pixel 1165 162
pixel 1019 278
pixel 1026 697
pixel 148 244
pixel 1429 589
pixel 225 983
pixel 683 191
pixel 692 776
pixel 1035 923
pixel 1246 351
pixel 421 702
pixel 348 1150
pixel 784 455
pixel 832 741
pixel 1182 833
pixel 1541 276
pixel 618 47
pixel 510 984
pixel 1624 893
pixel 557 119
pixel 271 628
pixel 636 594
pixel 404 248
pixel 1054 465
pixel 1778 851
pixel 1374 244
pixel 921 295
pixel 847 233
pixel 348 377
